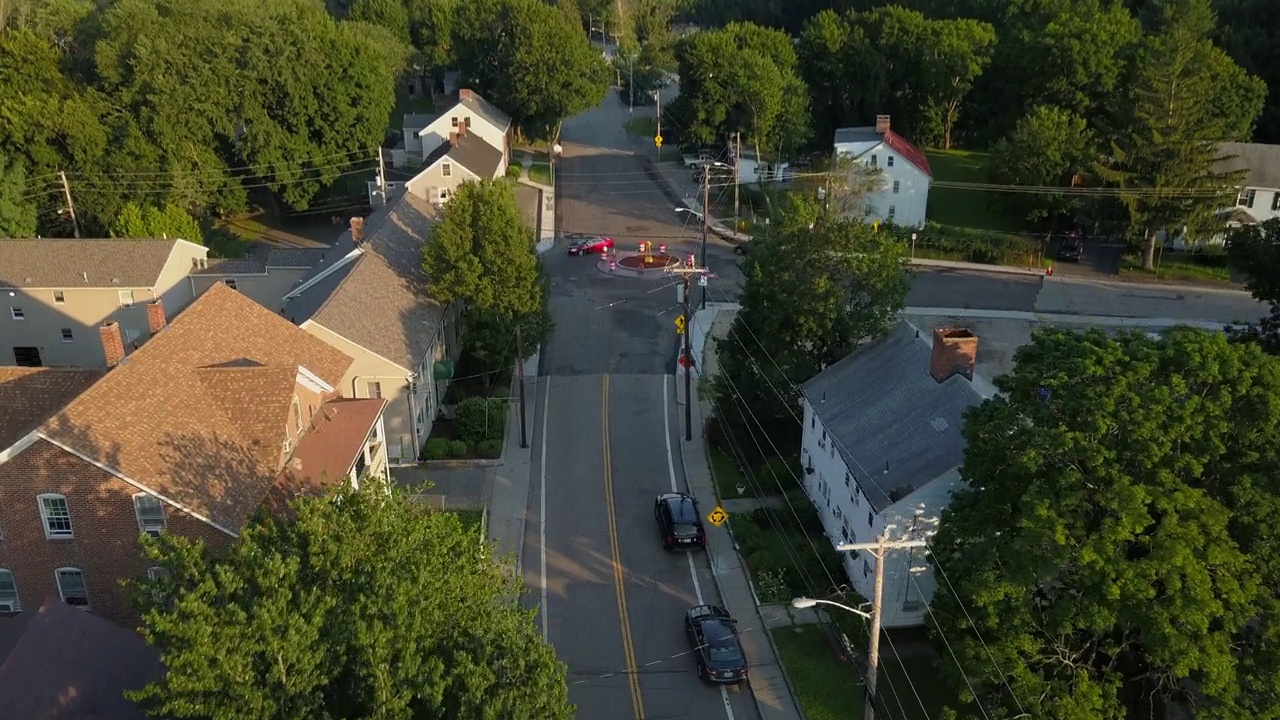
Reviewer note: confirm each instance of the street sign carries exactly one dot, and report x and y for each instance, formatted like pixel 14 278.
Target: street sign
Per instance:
pixel 718 516
pixel 657 140
pixel 684 361
pixel 680 324
pixel 702 280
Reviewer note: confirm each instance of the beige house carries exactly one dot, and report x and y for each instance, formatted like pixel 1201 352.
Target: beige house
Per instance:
pixel 463 157
pixel 372 304
pixel 266 275
pixel 472 113
pixel 56 293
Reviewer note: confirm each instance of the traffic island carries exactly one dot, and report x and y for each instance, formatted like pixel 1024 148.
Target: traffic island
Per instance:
pixel 635 264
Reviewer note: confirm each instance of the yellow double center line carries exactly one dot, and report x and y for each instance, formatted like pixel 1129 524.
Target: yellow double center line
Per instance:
pixel 637 703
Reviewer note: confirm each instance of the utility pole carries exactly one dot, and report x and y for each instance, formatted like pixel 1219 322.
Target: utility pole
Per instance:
pixel 524 438
pixel 657 95
pixel 631 85
pixel 382 176
pixel 737 163
pixel 688 270
pixel 880 550
pixel 71 206
pixel 706 210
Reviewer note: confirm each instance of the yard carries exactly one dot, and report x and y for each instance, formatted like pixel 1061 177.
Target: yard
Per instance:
pixel 644 126
pixel 476 428
pixel 768 478
pixel 961 207
pixel 540 172
pixel 786 551
pixel 1208 267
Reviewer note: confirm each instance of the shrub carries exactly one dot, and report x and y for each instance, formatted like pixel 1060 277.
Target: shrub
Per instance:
pixel 480 419
pixel 779 472
pixel 771 584
pixel 514 171
pixel 436 449
pixel 489 448
pixel 458 448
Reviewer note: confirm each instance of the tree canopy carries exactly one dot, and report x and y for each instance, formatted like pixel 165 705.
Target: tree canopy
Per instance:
pixel 1254 250
pixel 148 221
pixel 1047 148
pixel 17 212
pixel 1114 540
pixel 363 604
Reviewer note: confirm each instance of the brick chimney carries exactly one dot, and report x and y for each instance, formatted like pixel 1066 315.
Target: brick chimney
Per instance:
pixel 955 351
pixel 882 124
pixel 357 231
pixel 112 343
pixel 466 94
pixel 155 316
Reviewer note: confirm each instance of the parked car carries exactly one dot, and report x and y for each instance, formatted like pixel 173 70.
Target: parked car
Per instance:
pixel 1072 248
pixel 695 161
pixel 714 637
pixel 590 244
pixel 679 521
pixel 742 248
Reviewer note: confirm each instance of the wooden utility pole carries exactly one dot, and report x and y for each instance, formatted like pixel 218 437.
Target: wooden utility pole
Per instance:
pixel 382 176
pixel 657 95
pixel 706 212
pixel 879 550
pixel 524 438
pixel 737 163
pixel 71 206
pixel 688 270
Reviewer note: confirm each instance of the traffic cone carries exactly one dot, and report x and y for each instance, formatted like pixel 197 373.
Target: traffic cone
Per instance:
pixel 1049 272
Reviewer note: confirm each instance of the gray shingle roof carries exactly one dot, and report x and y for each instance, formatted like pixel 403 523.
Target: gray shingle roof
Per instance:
pixel 379 299
pixel 1261 163
pixel 471 153
pixel 486 110
pixel 857 134
pixel 61 263
pixel 895 426
pixel 414 121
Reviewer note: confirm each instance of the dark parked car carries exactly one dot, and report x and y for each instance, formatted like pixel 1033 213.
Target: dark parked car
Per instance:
pixel 1072 248
pixel 714 637
pixel 590 244
pixel 679 521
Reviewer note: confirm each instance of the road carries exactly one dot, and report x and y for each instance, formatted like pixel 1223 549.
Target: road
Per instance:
pixel 604 448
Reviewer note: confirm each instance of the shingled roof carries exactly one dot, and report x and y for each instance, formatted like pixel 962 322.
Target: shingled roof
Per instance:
pixel 1260 162
pixel 64 264
pixel 198 414
pixel 471 152
pixel 377 297
pixel 29 396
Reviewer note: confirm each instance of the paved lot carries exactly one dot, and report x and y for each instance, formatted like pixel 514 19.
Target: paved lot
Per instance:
pixel 601 418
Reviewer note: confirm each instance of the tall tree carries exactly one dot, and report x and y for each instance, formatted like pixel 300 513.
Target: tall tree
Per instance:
pixel 17 212
pixel 1162 156
pixel 961 52
pixel 1112 547
pixel 431 27
pixel 149 221
pixel 390 14
pixel 529 59
pixel 1046 149
pixel 1254 250
pixel 850 281
pixel 1249 30
pixel 363 605
pixel 844 72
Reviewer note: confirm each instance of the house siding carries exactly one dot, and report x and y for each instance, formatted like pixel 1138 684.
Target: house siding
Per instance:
pixel 1265 206
pixel 106 543
pixel 431 182
pixel 910 203
pixel 267 289
pixel 438 131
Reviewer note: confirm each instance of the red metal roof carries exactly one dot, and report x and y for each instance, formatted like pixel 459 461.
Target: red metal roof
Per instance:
pixel 913 154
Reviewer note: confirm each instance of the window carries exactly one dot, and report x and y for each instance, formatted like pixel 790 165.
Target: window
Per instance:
pixel 889 161
pixel 57 516
pixel 297 414
pixel 1275 201
pixel 150 512
pixel 8 592
pixel 231 283
pixel 67 335
pixel 131 336
pixel 895 187
pixel 893 209
pixel 866 568
pixel 453 122
pixel 58 297
pixel 813 420
pixel 446 170
pixel 375 389
pixel 17 313
pixel 71 586
pixel 874 162
pixel 126 298
pixel 1246 198
pixel 467 122
pixel 155 572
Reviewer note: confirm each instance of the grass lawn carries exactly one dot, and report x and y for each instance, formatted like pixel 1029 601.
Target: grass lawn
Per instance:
pixel 1208 268
pixel 728 476
pixel 775 544
pixel 470 518
pixel 644 125
pixel 540 172
pixel 829 689
pixel 965 208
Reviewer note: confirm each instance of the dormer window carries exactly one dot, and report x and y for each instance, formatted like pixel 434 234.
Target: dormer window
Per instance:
pixel 453 122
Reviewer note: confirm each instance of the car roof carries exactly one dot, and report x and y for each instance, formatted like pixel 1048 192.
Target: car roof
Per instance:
pixel 718 630
pixel 683 507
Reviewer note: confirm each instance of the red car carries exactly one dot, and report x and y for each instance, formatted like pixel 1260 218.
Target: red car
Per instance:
pixel 589 244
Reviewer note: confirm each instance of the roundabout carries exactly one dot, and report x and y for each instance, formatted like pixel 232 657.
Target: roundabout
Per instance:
pixel 635 263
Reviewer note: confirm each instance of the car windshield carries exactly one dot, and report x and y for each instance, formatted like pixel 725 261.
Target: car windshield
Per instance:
pixel 724 652
pixel 686 530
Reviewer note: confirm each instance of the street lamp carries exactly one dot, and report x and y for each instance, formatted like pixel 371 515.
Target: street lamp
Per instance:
pixel 804 603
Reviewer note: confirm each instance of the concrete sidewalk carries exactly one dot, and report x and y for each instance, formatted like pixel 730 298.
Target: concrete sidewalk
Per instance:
pixel 508 492
pixel 769 684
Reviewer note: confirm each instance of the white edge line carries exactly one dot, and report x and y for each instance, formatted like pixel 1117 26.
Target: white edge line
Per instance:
pixel 671 472
pixel 542 508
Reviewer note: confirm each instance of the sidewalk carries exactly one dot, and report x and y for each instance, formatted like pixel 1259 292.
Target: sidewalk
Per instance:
pixel 546 205
pixel 508 491
pixel 769 684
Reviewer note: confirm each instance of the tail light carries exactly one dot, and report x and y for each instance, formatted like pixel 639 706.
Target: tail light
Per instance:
pixel 702 537
pixel 671 539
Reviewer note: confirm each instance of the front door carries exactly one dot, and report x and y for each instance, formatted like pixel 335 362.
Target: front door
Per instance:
pixel 27 357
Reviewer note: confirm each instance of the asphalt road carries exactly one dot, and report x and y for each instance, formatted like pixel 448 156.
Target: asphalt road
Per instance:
pixel 614 599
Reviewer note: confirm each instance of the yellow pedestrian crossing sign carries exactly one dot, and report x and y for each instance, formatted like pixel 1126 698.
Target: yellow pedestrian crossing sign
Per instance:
pixel 718 516
pixel 657 140
pixel 679 324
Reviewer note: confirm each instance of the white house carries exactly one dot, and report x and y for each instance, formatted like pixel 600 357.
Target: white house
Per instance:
pixel 461 158
pixel 471 112
pixel 1259 196
pixel 882 449
pixel 904 191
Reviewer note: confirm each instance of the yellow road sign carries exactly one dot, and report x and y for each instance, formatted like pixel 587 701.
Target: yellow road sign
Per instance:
pixel 657 140
pixel 680 324
pixel 718 516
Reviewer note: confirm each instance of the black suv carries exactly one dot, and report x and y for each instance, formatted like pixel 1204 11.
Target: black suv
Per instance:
pixel 679 521
pixel 1072 248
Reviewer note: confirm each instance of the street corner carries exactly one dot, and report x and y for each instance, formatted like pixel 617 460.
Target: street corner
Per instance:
pixel 636 264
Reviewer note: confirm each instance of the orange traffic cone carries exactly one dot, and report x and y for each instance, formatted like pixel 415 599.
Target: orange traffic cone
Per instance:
pixel 1049 272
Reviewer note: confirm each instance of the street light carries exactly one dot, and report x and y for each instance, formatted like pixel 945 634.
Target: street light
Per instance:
pixel 804 603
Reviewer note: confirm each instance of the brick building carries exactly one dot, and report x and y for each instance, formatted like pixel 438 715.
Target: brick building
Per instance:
pixel 226 408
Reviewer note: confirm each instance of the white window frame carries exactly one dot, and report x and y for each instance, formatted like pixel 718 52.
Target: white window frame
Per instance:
pixel 896 185
pixel 131 336
pixel 68 336
pixel 874 162
pixel 126 298
pixel 84 586
pixel 446 170
pixel 231 283
pixel 149 525
pixel 17 313
pixel 893 210
pixel 49 532
pixel 374 389
pixel 888 161
pixel 59 297
pixel 9 596
pixel 453 121
pixel 1275 201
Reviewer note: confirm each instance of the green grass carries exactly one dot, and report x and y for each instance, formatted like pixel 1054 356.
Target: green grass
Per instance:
pixel 471 519
pixel 644 126
pixel 728 476
pixel 1190 267
pixel 965 208
pixel 540 172
pixel 778 544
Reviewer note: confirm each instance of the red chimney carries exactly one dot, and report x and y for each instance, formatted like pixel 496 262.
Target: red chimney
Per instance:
pixel 955 351
pixel 112 343
pixel 466 94
pixel 453 139
pixel 357 231
pixel 155 316
pixel 882 124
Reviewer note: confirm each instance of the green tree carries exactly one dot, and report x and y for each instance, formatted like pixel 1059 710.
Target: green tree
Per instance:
pixel 431 26
pixel 481 253
pixel 148 221
pixel 1254 250
pixel 529 59
pixel 365 604
pixel 1162 157
pixel 961 51
pixel 845 74
pixel 1112 543
pixel 1047 148
pixel 850 281
pixel 17 213
pixel 390 14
